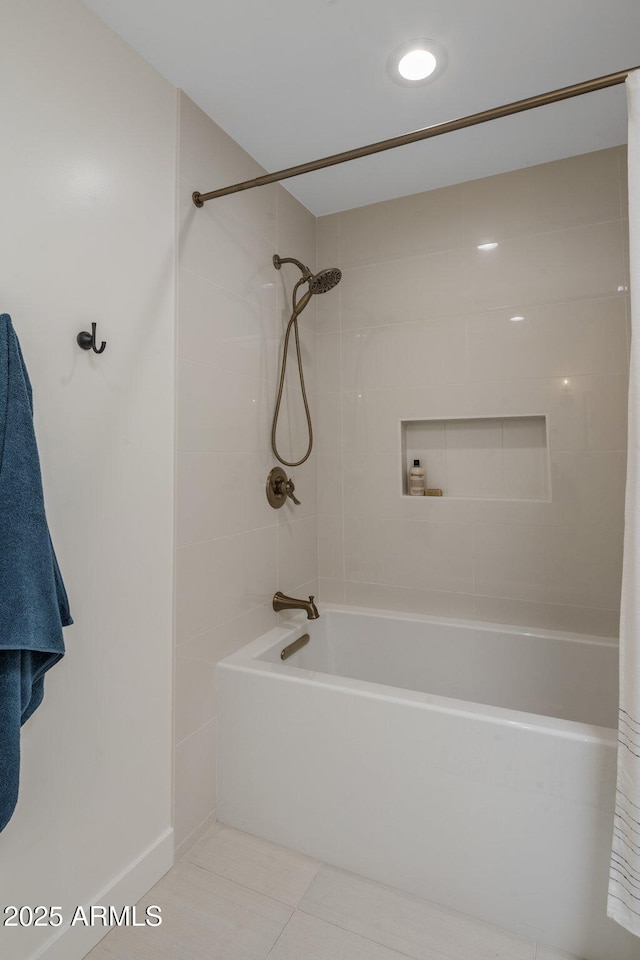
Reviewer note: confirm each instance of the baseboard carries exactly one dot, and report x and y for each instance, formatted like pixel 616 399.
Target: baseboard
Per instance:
pixel 74 943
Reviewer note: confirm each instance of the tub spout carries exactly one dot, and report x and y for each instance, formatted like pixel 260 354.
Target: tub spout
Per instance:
pixel 282 602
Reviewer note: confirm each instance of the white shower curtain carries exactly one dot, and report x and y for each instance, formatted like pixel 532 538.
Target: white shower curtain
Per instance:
pixel 624 877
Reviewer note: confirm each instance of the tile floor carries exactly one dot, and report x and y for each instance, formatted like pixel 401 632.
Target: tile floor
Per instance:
pixel 237 897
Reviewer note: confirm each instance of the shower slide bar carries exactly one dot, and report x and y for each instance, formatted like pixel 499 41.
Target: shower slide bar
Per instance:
pixel 518 106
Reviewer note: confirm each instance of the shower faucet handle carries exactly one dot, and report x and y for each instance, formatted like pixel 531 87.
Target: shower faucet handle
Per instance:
pixel 290 487
pixel 279 487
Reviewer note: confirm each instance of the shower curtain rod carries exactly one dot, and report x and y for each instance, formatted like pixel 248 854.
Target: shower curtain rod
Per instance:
pixel 518 106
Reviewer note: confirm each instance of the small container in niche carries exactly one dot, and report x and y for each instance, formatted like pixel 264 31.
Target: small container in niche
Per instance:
pixel 416 480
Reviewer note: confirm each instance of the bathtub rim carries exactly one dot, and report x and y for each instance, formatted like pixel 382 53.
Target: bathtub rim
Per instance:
pixel 246 660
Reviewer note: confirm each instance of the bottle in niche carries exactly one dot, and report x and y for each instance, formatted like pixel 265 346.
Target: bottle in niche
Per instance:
pixel 416 480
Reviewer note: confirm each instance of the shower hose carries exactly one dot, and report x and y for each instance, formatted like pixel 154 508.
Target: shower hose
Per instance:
pixel 293 322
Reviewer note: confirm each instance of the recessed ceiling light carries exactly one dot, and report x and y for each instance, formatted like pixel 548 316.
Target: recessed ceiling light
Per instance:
pixel 516 319
pixel 487 246
pixel 417 62
pixel 417 65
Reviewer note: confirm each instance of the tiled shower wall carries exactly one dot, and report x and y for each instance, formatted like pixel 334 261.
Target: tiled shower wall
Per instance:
pixel 233 550
pixel 420 328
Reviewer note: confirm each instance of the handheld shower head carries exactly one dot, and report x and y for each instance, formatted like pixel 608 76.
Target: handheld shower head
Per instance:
pixel 319 282
pixel 325 280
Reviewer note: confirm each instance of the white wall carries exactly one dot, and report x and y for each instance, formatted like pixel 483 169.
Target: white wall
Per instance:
pixel 424 332
pixel 233 550
pixel 88 211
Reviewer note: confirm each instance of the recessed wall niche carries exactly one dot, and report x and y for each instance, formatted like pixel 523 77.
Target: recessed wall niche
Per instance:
pixel 498 458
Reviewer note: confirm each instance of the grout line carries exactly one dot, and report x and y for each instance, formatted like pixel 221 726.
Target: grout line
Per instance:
pixel 361 936
pixel 275 943
pixel 243 533
pixel 484 312
pixel 226 623
pixel 238 373
pixel 236 883
pixel 321 864
pixel 241 221
pixel 484 596
pixel 468 246
pixel 199 831
pixel 448 384
pixel 194 732
pixel 230 290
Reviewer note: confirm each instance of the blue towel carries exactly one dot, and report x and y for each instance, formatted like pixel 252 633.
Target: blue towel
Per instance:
pixel 33 600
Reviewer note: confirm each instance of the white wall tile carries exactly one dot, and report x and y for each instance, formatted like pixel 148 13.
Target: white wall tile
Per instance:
pixel 607 412
pixel 232 309
pixel 419 224
pixel 297 553
pixel 372 485
pixel 624 180
pixel 219 411
pixel 474 459
pixel 328 305
pixel 423 555
pixel 589 487
pixel 222 329
pixel 211 646
pixel 219 247
pixel 581 263
pixel 330 548
pixel 437 556
pixel 570 565
pixel 418 288
pixel 543 198
pixel 331 591
pixel 410 600
pixel 296 232
pixel 328 425
pixel 525 458
pixel 194 694
pixel 405 353
pixel 328 254
pixel 195 778
pixel 553 501
pixel 329 358
pixel 330 481
pixel 548 616
pixel 555 340
pixel 220 494
pixel 217 580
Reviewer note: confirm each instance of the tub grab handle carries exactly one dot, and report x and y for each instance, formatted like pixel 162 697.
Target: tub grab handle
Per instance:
pixel 291 648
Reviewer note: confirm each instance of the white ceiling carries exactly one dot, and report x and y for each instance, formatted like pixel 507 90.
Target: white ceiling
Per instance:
pixel 294 80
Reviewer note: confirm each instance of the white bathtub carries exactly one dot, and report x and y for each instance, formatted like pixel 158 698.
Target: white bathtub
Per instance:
pixel 468 763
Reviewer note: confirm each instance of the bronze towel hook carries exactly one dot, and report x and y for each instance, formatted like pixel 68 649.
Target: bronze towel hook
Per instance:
pixel 88 341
